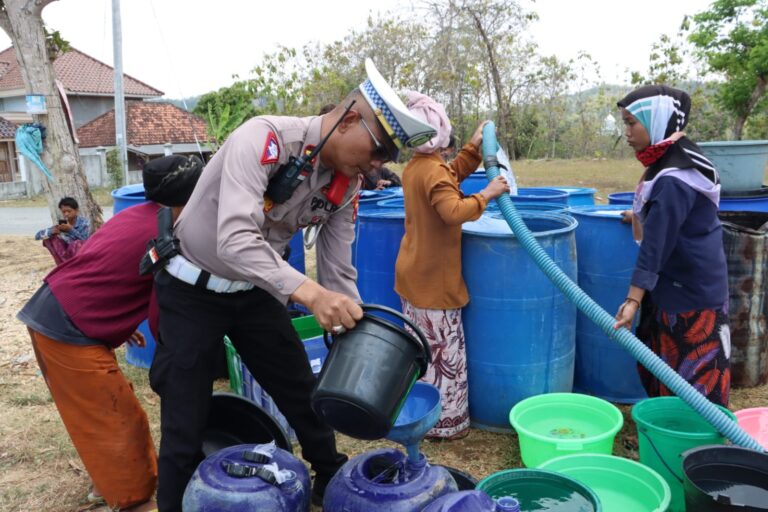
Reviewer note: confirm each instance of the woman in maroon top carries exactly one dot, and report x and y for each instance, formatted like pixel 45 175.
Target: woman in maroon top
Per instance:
pixel 90 305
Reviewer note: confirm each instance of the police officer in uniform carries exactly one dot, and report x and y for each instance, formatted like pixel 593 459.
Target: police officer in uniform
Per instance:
pixel 231 280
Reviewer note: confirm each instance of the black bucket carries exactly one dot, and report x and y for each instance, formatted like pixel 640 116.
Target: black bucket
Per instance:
pixel 368 373
pixel 234 420
pixel 725 479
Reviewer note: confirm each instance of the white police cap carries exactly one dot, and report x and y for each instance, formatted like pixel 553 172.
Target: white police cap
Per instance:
pixel 404 129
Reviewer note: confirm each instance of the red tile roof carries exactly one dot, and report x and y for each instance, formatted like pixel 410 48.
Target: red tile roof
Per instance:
pixel 7 129
pixel 146 123
pixel 80 74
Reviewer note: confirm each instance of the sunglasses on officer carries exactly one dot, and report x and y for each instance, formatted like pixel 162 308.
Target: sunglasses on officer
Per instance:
pixel 380 151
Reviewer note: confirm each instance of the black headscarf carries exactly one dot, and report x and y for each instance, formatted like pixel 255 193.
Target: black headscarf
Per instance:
pixel 170 180
pixel 658 108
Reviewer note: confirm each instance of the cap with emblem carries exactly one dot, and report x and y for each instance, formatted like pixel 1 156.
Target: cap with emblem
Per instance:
pixel 404 129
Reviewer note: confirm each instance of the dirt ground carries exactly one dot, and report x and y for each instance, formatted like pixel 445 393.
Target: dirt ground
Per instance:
pixel 39 469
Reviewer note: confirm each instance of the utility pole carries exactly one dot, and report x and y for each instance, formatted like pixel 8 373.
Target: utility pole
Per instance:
pixel 117 47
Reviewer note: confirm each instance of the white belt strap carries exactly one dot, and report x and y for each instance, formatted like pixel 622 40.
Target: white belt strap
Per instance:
pixel 184 270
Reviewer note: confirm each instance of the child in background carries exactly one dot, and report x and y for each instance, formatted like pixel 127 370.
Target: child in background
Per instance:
pixel 428 269
pixel 64 239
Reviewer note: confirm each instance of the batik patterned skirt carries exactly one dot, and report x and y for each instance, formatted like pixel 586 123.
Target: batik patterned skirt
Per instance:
pixel 696 344
pixel 448 371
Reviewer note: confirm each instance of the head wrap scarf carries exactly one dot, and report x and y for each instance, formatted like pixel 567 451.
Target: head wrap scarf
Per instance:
pixel 170 180
pixel 663 112
pixel 431 112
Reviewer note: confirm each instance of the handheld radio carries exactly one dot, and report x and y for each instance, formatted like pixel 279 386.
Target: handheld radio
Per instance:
pixel 290 175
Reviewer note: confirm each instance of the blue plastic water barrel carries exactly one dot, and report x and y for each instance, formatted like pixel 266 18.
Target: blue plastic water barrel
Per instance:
pixel 520 329
pixel 578 196
pixel 377 241
pixel 129 195
pixel 607 256
pixel 539 195
pixel 625 198
pixel 474 183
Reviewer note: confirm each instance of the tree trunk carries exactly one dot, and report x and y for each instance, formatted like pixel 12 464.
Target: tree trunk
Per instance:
pixel 21 20
pixel 757 94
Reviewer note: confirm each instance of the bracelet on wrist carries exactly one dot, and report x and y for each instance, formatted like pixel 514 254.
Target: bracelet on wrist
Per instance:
pixel 630 299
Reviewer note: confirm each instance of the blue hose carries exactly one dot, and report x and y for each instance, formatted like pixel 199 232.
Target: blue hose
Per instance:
pixel 605 321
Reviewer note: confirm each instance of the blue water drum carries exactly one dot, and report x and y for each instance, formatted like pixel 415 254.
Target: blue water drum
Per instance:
pixel 579 196
pixel 213 489
pixel 520 329
pixel 607 256
pixel 125 197
pixel 378 233
pixel 474 183
pixel 624 198
pixel 369 199
pixel 129 195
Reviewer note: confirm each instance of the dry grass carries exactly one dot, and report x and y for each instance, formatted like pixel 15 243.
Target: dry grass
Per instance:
pixel 39 469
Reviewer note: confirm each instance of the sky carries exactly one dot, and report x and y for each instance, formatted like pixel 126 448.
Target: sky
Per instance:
pixel 189 47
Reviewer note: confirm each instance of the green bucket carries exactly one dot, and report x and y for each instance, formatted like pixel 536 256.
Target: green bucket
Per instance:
pixel 537 489
pixel 558 424
pixel 622 485
pixel 667 427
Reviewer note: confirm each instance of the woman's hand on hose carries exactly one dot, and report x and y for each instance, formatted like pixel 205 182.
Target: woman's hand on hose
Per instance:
pixel 626 314
pixel 497 187
pixel 333 311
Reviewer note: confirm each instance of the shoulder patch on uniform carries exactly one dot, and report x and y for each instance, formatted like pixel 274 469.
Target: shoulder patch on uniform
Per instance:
pixel 271 152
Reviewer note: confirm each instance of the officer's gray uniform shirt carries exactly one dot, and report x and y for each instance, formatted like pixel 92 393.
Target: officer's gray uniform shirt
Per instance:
pixel 226 229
